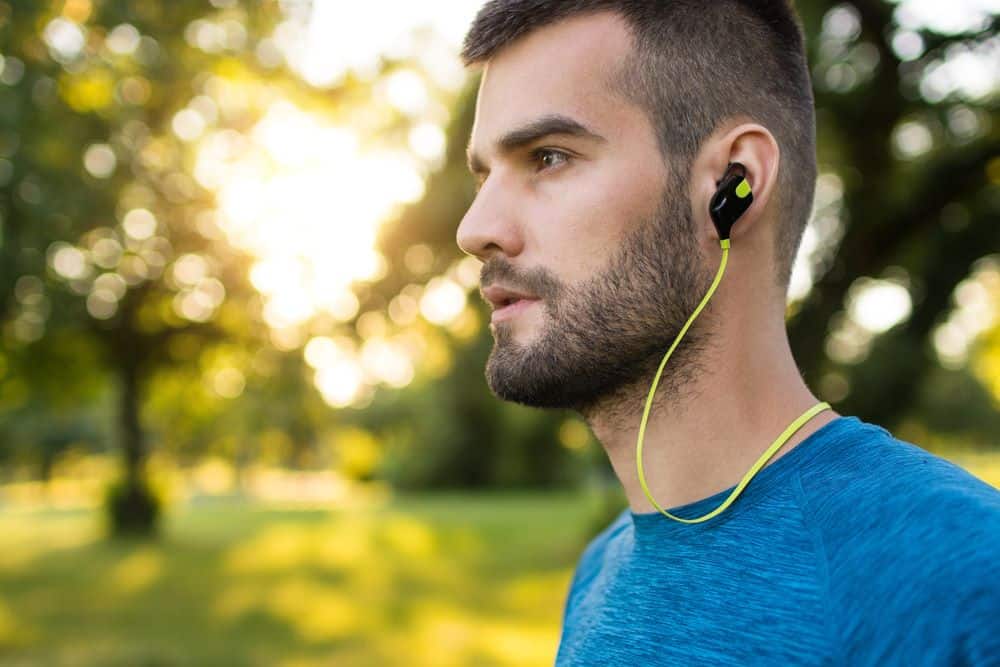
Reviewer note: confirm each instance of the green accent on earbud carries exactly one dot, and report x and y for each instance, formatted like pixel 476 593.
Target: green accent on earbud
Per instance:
pixel 743 189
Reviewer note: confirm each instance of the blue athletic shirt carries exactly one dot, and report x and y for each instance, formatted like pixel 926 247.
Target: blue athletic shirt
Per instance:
pixel 853 548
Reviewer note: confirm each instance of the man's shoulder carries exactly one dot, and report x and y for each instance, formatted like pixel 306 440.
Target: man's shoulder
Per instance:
pixel 597 548
pixel 884 505
pixel 909 539
pixel 870 475
pixel 594 555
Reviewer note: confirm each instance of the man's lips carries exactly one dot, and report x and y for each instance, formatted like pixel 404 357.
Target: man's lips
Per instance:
pixel 499 296
pixel 512 309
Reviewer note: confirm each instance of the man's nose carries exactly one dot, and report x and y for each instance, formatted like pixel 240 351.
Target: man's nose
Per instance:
pixel 490 225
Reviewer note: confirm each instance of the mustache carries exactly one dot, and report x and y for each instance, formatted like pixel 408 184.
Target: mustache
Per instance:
pixel 538 281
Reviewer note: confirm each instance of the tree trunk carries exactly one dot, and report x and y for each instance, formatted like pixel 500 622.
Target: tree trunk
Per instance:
pixel 132 507
pixel 130 434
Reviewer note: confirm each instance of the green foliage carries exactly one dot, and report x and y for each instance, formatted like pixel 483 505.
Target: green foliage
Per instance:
pixel 914 156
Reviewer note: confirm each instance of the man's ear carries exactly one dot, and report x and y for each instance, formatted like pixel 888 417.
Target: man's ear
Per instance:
pixel 753 146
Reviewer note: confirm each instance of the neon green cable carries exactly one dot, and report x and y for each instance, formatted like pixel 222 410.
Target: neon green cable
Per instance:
pixel 775 446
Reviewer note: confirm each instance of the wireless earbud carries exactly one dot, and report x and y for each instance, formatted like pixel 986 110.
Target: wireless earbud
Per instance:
pixel 731 200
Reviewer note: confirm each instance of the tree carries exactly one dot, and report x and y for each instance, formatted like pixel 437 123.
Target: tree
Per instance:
pixel 101 215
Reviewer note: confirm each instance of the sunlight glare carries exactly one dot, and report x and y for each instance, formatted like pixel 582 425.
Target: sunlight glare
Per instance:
pixel 878 305
pixel 387 362
pixel 442 301
pixel 302 196
pixel 341 382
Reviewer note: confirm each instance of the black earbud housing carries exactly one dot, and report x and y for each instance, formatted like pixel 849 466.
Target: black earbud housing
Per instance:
pixel 731 200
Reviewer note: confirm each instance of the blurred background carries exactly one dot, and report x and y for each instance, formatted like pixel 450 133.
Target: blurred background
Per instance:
pixel 243 418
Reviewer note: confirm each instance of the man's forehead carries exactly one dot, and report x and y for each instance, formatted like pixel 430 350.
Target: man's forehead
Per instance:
pixel 563 67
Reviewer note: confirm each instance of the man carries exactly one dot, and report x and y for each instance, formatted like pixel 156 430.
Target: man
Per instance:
pixel 602 131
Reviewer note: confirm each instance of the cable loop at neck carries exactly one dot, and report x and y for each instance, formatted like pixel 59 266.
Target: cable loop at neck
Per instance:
pixel 771 450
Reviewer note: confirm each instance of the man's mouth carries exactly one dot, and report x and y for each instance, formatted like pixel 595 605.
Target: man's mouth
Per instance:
pixel 509 308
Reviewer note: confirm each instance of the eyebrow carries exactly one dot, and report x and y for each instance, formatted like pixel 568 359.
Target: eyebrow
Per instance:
pixel 533 131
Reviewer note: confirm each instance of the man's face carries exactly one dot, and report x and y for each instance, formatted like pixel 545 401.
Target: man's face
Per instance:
pixel 577 209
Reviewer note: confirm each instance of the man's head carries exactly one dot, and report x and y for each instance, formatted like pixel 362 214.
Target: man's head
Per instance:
pixel 601 127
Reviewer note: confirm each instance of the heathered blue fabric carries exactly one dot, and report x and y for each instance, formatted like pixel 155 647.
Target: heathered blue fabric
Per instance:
pixel 854 548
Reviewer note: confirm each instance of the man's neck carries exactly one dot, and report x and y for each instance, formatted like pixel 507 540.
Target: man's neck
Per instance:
pixel 711 432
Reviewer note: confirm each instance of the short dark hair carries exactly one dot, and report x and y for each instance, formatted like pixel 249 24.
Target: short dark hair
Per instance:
pixel 697 63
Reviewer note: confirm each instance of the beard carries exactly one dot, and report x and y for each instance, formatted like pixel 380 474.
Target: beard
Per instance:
pixel 603 340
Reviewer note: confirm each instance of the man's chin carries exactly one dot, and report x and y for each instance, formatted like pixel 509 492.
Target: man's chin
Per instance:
pixel 509 370
pixel 532 397
pixel 521 375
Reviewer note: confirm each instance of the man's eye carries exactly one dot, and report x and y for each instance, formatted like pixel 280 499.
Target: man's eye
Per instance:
pixel 541 157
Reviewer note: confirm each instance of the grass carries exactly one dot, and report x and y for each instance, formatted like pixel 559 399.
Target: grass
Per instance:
pixel 443 579
pixel 447 579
